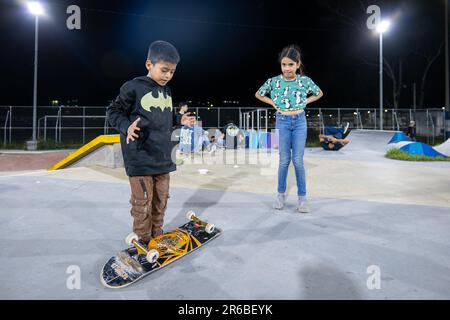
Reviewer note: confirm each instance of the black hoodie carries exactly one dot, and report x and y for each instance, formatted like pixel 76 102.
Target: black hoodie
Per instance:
pixel 143 98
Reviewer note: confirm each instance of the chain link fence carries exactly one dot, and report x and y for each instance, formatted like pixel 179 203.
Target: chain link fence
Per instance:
pixel 84 123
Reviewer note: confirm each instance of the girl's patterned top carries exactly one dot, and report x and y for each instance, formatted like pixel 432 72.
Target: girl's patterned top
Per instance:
pixel 289 95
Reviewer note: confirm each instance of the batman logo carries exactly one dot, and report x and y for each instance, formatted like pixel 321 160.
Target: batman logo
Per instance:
pixel 162 101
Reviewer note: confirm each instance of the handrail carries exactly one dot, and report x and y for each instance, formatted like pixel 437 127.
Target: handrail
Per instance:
pixel 396 121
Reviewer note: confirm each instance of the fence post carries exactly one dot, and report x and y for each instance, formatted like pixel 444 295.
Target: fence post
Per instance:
pixel 84 123
pixel 56 126
pixel 258 120
pixel 393 111
pixel 4 129
pixel 375 118
pixel 45 129
pixel 10 124
pixel 267 120
pixel 60 126
pixel 218 117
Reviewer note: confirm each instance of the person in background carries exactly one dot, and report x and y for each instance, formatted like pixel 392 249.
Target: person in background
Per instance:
pixel 411 131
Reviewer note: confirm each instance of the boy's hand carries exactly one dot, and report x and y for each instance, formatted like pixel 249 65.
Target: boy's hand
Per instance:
pixel 187 120
pixel 131 131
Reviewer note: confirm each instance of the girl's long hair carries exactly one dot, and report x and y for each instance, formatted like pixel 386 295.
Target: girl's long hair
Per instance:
pixel 294 53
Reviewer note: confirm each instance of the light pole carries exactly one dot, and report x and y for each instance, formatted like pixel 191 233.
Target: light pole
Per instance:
pixel 36 9
pixel 447 76
pixel 382 27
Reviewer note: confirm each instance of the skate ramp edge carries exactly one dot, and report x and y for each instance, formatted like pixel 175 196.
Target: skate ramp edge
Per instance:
pixel 444 148
pixel 89 149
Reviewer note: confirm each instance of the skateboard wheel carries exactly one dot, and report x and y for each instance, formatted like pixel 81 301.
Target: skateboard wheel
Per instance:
pixel 130 238
pixel 152 256
pixel 190 215
pixel 209 228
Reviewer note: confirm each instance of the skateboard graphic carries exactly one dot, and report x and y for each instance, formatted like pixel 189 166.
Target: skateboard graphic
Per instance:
pixel 124 268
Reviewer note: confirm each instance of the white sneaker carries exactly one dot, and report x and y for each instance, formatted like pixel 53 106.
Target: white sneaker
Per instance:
pixel 346 127
pixel 303 206
pixel 279 203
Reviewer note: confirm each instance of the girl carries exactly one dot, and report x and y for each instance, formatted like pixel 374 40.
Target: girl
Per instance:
pixel 290 93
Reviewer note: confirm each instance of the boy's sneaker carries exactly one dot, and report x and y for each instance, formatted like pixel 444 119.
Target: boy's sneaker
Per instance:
pixel 303 205
pixel 279 203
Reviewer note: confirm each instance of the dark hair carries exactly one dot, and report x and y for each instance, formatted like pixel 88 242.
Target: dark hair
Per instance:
pixel 163 51
pixel 182 103
pixel 294 53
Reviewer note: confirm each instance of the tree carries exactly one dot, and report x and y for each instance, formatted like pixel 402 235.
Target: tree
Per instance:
pixel 355 17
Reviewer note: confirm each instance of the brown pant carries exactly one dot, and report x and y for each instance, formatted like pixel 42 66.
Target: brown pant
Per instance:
pixel 149 196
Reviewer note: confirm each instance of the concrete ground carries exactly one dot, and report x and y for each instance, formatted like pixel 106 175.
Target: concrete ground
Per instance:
pixel 369 214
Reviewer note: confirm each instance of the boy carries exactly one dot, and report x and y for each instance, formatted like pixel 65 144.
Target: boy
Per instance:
pixel 334 138
pixel 411 132
pixel 183 109
pixel 142 113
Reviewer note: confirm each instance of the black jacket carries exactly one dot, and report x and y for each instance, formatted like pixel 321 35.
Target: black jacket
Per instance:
pixel 143 98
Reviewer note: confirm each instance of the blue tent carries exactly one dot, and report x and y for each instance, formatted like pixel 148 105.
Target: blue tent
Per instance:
pixel 399 136
pixel 421 149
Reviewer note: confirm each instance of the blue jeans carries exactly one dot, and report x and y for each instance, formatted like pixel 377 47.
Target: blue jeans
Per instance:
pixel 334 131
pixel 292 138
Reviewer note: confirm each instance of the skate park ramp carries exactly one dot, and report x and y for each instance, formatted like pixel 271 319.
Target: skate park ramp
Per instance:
pixel 369 140
pixel 421 149
pixel 370 145
pixel 107 153
pixel 444 148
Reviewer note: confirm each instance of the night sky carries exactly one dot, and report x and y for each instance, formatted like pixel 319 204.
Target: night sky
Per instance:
pixel 228 49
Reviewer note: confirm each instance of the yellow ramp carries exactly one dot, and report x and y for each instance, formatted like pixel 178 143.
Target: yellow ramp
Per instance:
pixel 85 150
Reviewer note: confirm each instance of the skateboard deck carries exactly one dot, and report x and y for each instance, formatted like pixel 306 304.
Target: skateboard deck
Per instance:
pixel 124 268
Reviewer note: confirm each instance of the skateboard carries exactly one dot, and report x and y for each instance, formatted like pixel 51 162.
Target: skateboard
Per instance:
pixel 124 268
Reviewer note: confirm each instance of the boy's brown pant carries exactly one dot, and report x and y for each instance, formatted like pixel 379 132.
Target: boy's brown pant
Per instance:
pixel 149 196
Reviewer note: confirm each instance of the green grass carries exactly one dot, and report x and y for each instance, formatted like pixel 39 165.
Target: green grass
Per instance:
pixel 398 154
pixel 13 146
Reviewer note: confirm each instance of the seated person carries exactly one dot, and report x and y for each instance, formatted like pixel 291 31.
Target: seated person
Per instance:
pixel 193 139
pixel 219 140
pixel 334 139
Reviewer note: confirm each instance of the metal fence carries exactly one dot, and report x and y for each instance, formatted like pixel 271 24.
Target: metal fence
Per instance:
pixel 82 124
